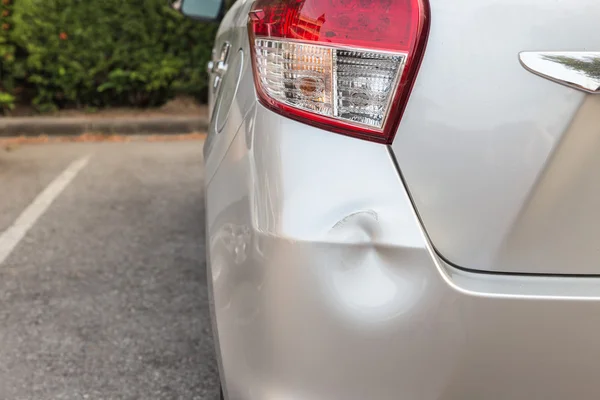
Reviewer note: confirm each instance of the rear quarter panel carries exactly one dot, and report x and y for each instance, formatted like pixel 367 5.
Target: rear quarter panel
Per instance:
pixel 235 96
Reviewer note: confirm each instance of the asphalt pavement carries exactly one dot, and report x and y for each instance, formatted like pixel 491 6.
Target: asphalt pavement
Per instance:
pixel 102 284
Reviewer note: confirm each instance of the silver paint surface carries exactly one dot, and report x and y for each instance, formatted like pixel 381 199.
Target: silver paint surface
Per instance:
pixel 324 284
pixel 480 133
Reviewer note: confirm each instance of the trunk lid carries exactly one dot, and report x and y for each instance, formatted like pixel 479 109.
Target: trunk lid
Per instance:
pixel 504 166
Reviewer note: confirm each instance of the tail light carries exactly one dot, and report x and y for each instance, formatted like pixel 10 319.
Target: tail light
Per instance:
pixel 343 65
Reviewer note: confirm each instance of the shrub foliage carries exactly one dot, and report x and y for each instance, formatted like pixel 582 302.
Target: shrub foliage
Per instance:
pixel 103 53
pixel 7 56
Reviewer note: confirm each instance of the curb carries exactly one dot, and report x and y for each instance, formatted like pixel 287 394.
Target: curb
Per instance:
pixel 53 126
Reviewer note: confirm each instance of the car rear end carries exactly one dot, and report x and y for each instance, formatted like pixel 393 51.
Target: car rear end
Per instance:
pixel 404 217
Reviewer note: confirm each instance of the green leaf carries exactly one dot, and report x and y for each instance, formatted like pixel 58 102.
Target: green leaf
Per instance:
pixel 114 52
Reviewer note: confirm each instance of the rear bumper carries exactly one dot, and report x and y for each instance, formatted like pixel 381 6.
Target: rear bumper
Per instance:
pixel 324 286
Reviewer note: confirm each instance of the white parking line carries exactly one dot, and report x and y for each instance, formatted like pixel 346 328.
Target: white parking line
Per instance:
pixel 10 238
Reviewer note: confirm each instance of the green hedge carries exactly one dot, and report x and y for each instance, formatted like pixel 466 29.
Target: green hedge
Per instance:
pixel 7 56
pixel 98 53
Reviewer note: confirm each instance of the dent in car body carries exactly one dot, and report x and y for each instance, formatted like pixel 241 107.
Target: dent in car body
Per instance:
pixel 338 294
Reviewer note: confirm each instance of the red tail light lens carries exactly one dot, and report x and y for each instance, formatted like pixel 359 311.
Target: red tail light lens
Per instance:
pixel 343 65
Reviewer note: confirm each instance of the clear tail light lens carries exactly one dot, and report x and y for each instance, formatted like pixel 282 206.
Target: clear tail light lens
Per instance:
pixel 343 65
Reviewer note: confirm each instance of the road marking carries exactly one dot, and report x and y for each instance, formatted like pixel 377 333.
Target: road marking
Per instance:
pixel 10 238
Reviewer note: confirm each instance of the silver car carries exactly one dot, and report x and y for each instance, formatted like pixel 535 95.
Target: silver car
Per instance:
pixel 403 198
